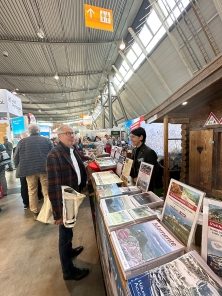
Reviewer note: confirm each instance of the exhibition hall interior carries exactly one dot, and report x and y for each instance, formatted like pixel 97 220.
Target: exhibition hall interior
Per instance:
pixel 110 147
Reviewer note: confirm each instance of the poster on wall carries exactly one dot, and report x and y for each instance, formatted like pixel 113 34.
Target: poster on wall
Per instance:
pixel 181 210
pixel 4 126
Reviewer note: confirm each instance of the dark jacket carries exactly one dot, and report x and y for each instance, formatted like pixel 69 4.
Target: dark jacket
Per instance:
pixel 2 148
pixel 146 154
pixel 8 146
pixel 30 155
pixel 61 171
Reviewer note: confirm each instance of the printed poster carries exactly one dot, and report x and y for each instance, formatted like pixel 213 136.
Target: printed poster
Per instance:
pixel 181 210
pixel 212 235
pixel 144 176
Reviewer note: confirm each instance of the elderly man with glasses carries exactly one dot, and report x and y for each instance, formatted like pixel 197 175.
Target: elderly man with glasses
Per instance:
pixel 65 167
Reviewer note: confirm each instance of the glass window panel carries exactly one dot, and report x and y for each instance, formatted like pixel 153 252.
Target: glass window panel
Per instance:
pixel 128 75
pixel 136 49
pixel 118 77
pixel 139 61
pixel 125 65
pixel 131 56
pixel 171 3
pixel 116 81
pixel 122 71
pixel 185 3
pixel 155 40
pixel 163 8
pixel 113 90
pixel 154 22
pixel 145 35
pixel 169 21
pixel 121 84
pixel 176 12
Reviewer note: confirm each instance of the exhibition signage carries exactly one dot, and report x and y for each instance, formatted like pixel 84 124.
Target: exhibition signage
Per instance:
pixel 45 131
pixel 134 123
pixel 10 103
pixel 98 17
pixel 18 126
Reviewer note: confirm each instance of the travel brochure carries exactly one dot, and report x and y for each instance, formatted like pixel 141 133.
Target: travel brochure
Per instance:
pixel 107 177
pixel 118 219
pixel 116 204
pixel 126 170
pixel 105 163
pixel 212 235
pixel 188 275
pixel 181 210
pixel 108 190
pixel 143 246
pixel 119 165
pixel 147 198
pixel 118 153
pixel 130 190
pixel 144 176
pixel 113 151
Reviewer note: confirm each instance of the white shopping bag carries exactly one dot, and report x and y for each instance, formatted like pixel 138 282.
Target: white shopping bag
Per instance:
pixel 71 203
pixel 46 215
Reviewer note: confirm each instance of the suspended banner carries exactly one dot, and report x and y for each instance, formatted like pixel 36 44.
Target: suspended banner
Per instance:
pixel 134 123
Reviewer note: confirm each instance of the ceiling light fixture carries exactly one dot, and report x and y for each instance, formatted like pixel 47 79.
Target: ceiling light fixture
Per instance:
pixel 56 76
pixel 40 33
pixel 14 92
pixel 184 103
pixel 40 110
pixel 67 104
pixel 122 45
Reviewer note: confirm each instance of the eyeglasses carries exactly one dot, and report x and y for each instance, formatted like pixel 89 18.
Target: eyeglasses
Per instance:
pixel 68 134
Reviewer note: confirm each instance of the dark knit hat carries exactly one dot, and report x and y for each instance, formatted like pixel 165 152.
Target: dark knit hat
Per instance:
pixel 139 132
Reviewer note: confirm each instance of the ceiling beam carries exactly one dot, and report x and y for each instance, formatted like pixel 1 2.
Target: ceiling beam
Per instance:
pixel 49 74
pixel 59 92
pixel 54 101
pixel 60 108
pixel 43 43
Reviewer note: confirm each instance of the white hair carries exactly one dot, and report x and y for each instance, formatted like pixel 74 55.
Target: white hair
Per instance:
pixel 33 129
pixel 60 129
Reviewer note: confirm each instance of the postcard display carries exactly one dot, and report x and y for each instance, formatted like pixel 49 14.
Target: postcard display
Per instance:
pixel 132 250
pixel 212 235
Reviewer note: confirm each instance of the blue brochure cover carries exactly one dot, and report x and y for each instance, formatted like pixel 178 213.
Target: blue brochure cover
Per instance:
pixel 140 285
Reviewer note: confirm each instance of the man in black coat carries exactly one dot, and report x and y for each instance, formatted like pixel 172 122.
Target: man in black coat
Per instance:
pixel 143 153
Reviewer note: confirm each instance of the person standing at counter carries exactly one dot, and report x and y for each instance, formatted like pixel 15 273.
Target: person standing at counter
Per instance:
pixel 142 153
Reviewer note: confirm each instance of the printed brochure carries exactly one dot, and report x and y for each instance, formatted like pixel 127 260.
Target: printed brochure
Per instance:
pixel 144 176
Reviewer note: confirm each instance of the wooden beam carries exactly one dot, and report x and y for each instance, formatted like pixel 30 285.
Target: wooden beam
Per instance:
pixel 166 165
pixel 179 120
pixel 179 115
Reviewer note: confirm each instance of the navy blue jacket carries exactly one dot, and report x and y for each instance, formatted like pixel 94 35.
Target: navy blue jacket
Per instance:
pixel 30 155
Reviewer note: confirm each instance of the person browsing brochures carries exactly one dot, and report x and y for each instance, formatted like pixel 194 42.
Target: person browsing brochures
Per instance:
pixel 142 153
pixel 65 167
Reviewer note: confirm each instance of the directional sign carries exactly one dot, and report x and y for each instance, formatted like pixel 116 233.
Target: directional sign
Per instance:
pixel 98 17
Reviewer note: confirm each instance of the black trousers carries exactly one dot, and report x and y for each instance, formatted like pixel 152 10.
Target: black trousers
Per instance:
pixel 25 193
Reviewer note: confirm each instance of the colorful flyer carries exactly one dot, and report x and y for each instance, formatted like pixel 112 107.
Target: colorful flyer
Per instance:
pixel 144 176
pixel 212 235
pixel 181 210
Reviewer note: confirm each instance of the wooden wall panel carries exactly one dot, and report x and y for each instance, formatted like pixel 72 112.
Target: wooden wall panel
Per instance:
pixel 200 163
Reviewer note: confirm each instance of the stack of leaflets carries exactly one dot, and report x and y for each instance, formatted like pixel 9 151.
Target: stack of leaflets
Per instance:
pixel 105 163
pixel 119 211
pixel 212 235
pixel 108 190
pixel 130 190
pixel 147 198
pixel 187 275
pixel 103 178
pixel 144 246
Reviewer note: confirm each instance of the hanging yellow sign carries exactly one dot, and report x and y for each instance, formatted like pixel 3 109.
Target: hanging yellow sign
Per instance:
pixel 98 17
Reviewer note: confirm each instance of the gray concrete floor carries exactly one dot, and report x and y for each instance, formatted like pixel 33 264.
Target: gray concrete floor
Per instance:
pixel 29 260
